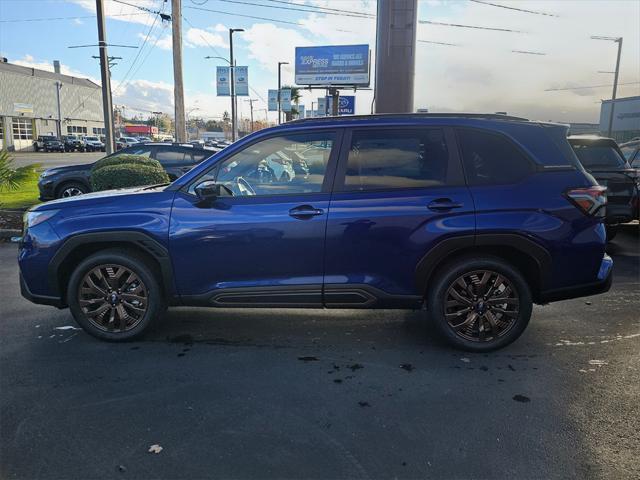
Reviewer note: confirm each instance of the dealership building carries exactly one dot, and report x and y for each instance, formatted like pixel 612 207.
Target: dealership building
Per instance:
pixel 626 118
pixel 38 102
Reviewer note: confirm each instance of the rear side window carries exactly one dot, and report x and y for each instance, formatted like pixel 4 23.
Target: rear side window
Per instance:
pixel 491 158
pixel 171 156
pixel 395 158
pixel 593 156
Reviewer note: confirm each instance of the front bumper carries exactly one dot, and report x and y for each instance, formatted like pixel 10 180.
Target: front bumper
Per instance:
pixel 601 285
pixel 39 299
pixel 46 189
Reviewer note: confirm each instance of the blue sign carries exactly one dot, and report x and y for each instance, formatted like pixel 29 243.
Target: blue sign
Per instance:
pixel 222 81
pixel 346 105
pixel 332 65
pixel 273 100
pixel 242 81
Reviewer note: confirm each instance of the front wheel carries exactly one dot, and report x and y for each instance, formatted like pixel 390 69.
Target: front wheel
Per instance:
pixel 71 189
pixel 479 304
pixel 114 295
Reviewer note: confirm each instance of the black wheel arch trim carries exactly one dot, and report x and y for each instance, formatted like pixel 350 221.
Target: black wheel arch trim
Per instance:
pixel 141 240
pixel 434 258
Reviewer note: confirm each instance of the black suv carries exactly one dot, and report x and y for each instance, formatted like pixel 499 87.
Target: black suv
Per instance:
pixel 602 158
pixel 74 180
pixel 73 143
pixel 48 143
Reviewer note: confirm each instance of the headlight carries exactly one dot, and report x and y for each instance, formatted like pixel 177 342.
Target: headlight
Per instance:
pixel 46 173
pixel 31 219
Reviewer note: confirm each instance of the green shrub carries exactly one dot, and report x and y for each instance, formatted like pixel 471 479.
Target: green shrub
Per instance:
pixel 127 175
pixel 125 159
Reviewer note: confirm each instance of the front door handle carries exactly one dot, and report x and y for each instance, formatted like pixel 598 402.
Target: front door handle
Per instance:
pixel 443 204
pixel 305 212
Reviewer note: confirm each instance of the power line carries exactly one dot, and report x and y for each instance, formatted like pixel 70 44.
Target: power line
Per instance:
pixel 440 43
pixel 590 86
pixel 241 15
pixel 514 8
pixel 528 52
pixel 319 8
pixel 495 29
pixel 19 20
pixel 343 13
pixel 163 15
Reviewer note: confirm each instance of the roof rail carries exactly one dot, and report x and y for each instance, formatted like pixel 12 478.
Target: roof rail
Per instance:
pixel 384 116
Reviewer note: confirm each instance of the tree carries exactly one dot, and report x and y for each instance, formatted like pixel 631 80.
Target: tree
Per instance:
pixel 12 178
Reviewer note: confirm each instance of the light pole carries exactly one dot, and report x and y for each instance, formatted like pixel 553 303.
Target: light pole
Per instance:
pixel 232 67
pixel 618 40
pixel 279 87
pixel 312 110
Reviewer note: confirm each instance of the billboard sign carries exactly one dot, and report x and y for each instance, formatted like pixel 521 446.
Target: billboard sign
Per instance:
pixel 301 111
pixel 285 99
pixel 346 104
pixel 242 81
pixel 222 82
pixel 332 65
pixel 273 100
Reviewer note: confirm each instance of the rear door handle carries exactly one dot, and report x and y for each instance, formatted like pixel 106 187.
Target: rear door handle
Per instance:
pixel 443 204
pixel 305 212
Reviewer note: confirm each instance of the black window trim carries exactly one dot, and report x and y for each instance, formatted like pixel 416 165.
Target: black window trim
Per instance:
pixel 329 174
pixel 534 167
pixel 455 159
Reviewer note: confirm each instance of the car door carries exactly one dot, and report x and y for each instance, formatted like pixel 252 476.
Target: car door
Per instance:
pixel 264 244
pixel 398 192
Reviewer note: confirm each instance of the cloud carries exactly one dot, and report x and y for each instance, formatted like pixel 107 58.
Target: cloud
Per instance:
pixel 30 62
pixel 122 12
pixel 77 21
pixel 163 42
pixel 197 37
pixel 144 96
pixel 269 44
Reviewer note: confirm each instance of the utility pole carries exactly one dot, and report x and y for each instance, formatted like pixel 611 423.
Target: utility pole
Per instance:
pixel 59 129
pixel 107 106
pixel 395 55
pixel 618 40
pixel 279 88
pixel 178 88
pixel 232 82
pixel 615 88
pixel 251 100
pixel 335 101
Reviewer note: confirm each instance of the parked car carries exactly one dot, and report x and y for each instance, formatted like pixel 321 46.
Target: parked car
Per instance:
pixel 475 217
pixel 48 143
pixel 93 144
pixel 73 180
pixel 602 158
pixel 124 142
pixel 631 152
pixel 73 143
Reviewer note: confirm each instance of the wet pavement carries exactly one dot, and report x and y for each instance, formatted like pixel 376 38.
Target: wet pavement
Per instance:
pixel 323 394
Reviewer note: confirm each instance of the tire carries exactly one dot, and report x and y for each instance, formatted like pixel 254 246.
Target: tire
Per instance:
pixel 511 319
pixel 612 231
pixel 71 189
pixel 142 306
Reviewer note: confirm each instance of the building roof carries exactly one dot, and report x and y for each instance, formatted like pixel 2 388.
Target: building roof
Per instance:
pixel 623 99
pixel 35 72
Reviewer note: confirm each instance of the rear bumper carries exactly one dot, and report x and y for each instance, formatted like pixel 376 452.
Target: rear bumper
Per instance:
pixel 39 299
pixel 618 214
pixel 602 285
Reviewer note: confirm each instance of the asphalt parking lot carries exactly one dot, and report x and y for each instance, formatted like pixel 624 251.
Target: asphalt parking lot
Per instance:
pixel 323 394
pixel 55 159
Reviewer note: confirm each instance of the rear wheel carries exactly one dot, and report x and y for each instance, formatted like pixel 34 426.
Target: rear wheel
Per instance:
pixel 114 295
pixel 479 303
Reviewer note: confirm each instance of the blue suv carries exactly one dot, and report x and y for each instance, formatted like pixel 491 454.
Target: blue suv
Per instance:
pixel 473 218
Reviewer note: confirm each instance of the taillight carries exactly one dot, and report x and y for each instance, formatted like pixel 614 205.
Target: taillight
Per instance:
pixel 591 200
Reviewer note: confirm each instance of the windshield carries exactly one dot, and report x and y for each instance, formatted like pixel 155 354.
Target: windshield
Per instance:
pixel 92 139
pixel 592 156
pixel 72 137
pixel 46 139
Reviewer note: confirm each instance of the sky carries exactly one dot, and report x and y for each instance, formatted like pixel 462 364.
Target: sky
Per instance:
pixel 479 73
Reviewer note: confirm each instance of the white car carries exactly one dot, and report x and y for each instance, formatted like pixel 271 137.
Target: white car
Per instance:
pixel 93 144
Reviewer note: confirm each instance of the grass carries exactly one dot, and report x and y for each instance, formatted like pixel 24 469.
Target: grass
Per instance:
pixel 23 197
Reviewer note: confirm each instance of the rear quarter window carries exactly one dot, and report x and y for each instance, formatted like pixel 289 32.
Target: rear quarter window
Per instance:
pixel 491 158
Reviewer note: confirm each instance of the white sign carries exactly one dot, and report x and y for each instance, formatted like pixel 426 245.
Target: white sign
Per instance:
pixel 322 106
pixel 273 100
pixel 301 111
pixel 222 81
pixel 242 81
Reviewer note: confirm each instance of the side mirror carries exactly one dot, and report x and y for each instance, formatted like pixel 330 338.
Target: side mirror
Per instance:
pixel 209 190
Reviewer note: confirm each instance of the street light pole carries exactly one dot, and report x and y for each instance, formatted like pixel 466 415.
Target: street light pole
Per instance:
pixel 618 40
pixel 232 79
pixel 279 88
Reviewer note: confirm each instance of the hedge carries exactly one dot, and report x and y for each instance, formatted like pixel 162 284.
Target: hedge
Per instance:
pixel 125 159
pixel 127 175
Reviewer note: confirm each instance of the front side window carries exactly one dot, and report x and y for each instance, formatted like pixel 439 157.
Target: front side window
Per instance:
pixel 394 158
pixel 491 158
pixel 288 164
